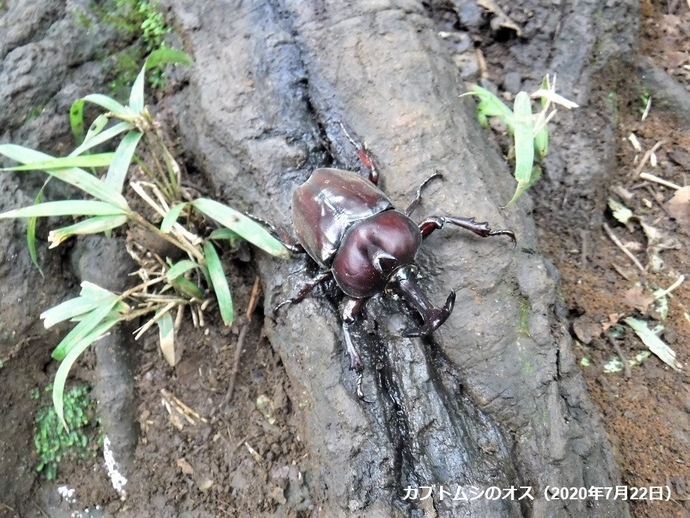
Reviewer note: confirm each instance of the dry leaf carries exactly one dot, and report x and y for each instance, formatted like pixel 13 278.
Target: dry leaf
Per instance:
pixel 679 207
pixel 586 330
pixel 613 320
pixel 637 298
pixel 185 466
pixel 656 242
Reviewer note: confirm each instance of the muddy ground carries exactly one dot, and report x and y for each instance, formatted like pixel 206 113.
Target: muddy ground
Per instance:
pixel 246 454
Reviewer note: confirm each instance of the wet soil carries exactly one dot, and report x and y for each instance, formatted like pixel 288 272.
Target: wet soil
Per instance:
pixel 201 453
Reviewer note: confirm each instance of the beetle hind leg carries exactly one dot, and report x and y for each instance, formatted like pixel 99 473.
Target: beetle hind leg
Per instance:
pixel 481 228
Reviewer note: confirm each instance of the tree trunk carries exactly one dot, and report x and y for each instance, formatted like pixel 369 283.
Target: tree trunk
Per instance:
pixel 494 397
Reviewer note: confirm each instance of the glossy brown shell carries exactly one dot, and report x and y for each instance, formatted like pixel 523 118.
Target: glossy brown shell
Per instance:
pixel 327 205
pixel 372 250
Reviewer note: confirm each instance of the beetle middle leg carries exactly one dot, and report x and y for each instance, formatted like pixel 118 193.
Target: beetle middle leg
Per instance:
pixel 306 289
pixel 480 228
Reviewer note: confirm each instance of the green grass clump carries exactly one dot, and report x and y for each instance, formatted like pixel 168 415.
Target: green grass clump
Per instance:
pixel 53 443
pixel 157 203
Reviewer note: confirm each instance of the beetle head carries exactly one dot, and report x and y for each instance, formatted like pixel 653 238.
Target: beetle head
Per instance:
pixel 404 282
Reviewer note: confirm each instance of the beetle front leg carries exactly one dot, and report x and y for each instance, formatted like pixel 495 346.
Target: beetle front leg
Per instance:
pixel 480 228
pixel 350 310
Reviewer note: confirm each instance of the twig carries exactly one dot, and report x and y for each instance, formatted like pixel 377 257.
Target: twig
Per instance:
pixel 620 271
pixel 646 156
pixel 240 340
pixel 660 181
pixel 627 252
pixel 584 235
pixel 671 287
pixel 617 348
pixel 182 408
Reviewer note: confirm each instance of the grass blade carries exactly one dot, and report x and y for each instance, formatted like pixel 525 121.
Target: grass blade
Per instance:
pixel 73 176
pixel 180 268
pixel 96 127
pixel 109 104
pixel 83 328
pixel 166 334
pixel 136 96
pixel 524 143
pixel 654 343
pixel 65 208
pixel 246 227
pixel 171 217
pixel 99 138
pixel 99 160
pixel 88 226
pixel 115 178
pixel 31 230
pixel 219 282
pixel 73 308
pixel 69 359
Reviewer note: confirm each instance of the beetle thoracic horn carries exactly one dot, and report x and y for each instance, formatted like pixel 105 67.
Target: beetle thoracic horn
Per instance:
pixel 403 282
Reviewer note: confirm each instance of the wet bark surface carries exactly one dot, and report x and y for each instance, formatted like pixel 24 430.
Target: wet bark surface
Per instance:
pixel 493 398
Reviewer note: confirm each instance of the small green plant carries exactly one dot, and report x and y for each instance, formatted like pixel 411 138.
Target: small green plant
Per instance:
pixel 135 20
pixel 165 209
pixel 529 130
pixel 53 442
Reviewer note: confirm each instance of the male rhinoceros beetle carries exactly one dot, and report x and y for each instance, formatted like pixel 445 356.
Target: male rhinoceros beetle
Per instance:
pixel 351 229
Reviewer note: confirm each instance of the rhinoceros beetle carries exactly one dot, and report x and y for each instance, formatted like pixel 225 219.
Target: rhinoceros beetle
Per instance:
pixel 350 228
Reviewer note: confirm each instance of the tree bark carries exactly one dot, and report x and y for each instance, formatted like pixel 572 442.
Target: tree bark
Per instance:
pixel 494 398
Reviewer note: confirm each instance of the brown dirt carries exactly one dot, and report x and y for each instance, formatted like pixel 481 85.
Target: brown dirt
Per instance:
pixel 647 416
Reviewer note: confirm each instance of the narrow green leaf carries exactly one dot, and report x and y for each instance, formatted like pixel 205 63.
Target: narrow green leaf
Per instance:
pixel 83 329
pixel 524 143
pixel 165 55
pixel 73 176
pixel 96 127
pixel 93 291
pixel 31 230
pixel 246 227
pixel 136 96
pixel 166 334
pixel 69 359
pixel 224 233
pixel 490 106
pixel 99 160
pixel 187 288
pixel 73 307
pixel 76 120
pixel 219 282
pixel 180 268
pixel 109 104
pixel 654 343
pixel 104 136
pixel 65 208
pixel 171 217
pixel 115 179
pixel 88 226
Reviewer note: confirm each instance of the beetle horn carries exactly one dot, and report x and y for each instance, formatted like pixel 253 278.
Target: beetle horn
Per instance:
pixel 404 283
pixel 379 257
